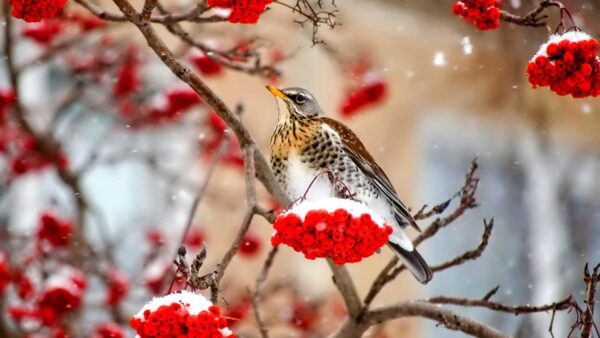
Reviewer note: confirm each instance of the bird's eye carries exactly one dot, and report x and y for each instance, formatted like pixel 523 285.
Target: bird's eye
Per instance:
pixel 300 99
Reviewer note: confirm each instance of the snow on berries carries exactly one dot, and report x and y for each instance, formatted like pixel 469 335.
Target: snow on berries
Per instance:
pixel 36 10
pixel 178 315
pixel 242 11
pixel 484 14
pixel 60 294
pixel 344 230
pixel 372 91
pixel 568 64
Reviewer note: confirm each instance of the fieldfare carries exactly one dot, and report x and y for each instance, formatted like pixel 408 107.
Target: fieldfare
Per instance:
pixel 304 143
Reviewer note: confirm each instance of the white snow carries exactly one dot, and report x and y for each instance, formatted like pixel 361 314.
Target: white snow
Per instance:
pixel 573 36
pixel 354 208
pixel 222 12
pixel 439 59
pixel 193 302
pixel 466 45
pixel 63 279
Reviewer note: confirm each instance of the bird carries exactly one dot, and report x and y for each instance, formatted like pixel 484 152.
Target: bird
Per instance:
pixel 305 142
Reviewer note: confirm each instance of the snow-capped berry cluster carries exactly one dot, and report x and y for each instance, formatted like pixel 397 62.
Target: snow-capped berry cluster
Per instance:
pixel 344 230
pixel 484 14
pixel 178 315
pixel 373 91
pixel 61 293
pixel 36 10
pixel 568 64
pixel 242 11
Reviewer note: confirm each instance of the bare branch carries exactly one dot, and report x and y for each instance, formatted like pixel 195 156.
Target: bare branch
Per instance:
pixel 149 6
pixel 190 16
pixel 344 283
pixel 517 310
pixel 472 254
pixel 467 201
pixel 448 319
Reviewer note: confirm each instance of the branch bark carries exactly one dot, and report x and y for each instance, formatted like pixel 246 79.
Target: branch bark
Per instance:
pixel 444 317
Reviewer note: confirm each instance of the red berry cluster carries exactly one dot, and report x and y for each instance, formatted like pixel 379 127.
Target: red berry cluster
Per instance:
pixel 485 14
pixel 109 330
pixel 117 285
pixel 338 235
pixel 304 316
pixel 205 64
pixel 175 321
pixel 178 100
pixel 370 93
pixel 43 32
pixel 567 67
pixel 36 10
pixel 242 11
pixel 54 231
pixel 5 275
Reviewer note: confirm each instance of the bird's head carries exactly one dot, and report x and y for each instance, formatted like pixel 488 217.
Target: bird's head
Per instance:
pixel 295 103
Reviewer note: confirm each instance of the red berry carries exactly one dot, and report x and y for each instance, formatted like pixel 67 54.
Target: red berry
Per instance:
pixel 250 245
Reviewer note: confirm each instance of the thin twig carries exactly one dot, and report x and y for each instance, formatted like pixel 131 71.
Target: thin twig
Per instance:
pixel 256 295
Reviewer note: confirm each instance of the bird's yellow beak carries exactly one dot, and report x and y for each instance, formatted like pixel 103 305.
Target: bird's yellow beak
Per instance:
pixel 276 92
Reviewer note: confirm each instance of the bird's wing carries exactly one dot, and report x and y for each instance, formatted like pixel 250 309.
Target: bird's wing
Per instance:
pixel 365 162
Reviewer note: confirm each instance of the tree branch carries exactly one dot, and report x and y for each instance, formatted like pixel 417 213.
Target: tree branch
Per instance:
pixel 448 319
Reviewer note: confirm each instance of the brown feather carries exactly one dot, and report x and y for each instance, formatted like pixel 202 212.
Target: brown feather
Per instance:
pixel 365 161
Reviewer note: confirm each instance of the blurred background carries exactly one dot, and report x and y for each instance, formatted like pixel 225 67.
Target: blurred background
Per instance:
pixel 452 94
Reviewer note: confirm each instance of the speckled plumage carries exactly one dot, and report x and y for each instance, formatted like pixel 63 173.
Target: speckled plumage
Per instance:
pixel 304 143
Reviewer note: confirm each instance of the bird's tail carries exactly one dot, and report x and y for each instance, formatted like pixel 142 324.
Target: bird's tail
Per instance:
pixel 414 262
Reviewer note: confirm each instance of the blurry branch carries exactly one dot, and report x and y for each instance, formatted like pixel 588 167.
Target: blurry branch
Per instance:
pixel 211 98
pixel 256 295
pixel 243 61
pixel 200 192
pixel 52 51
pixel 313 14
pixel 44 143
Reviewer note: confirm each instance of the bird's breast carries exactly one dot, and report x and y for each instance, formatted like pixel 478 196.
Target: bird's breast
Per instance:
pixel 304 179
